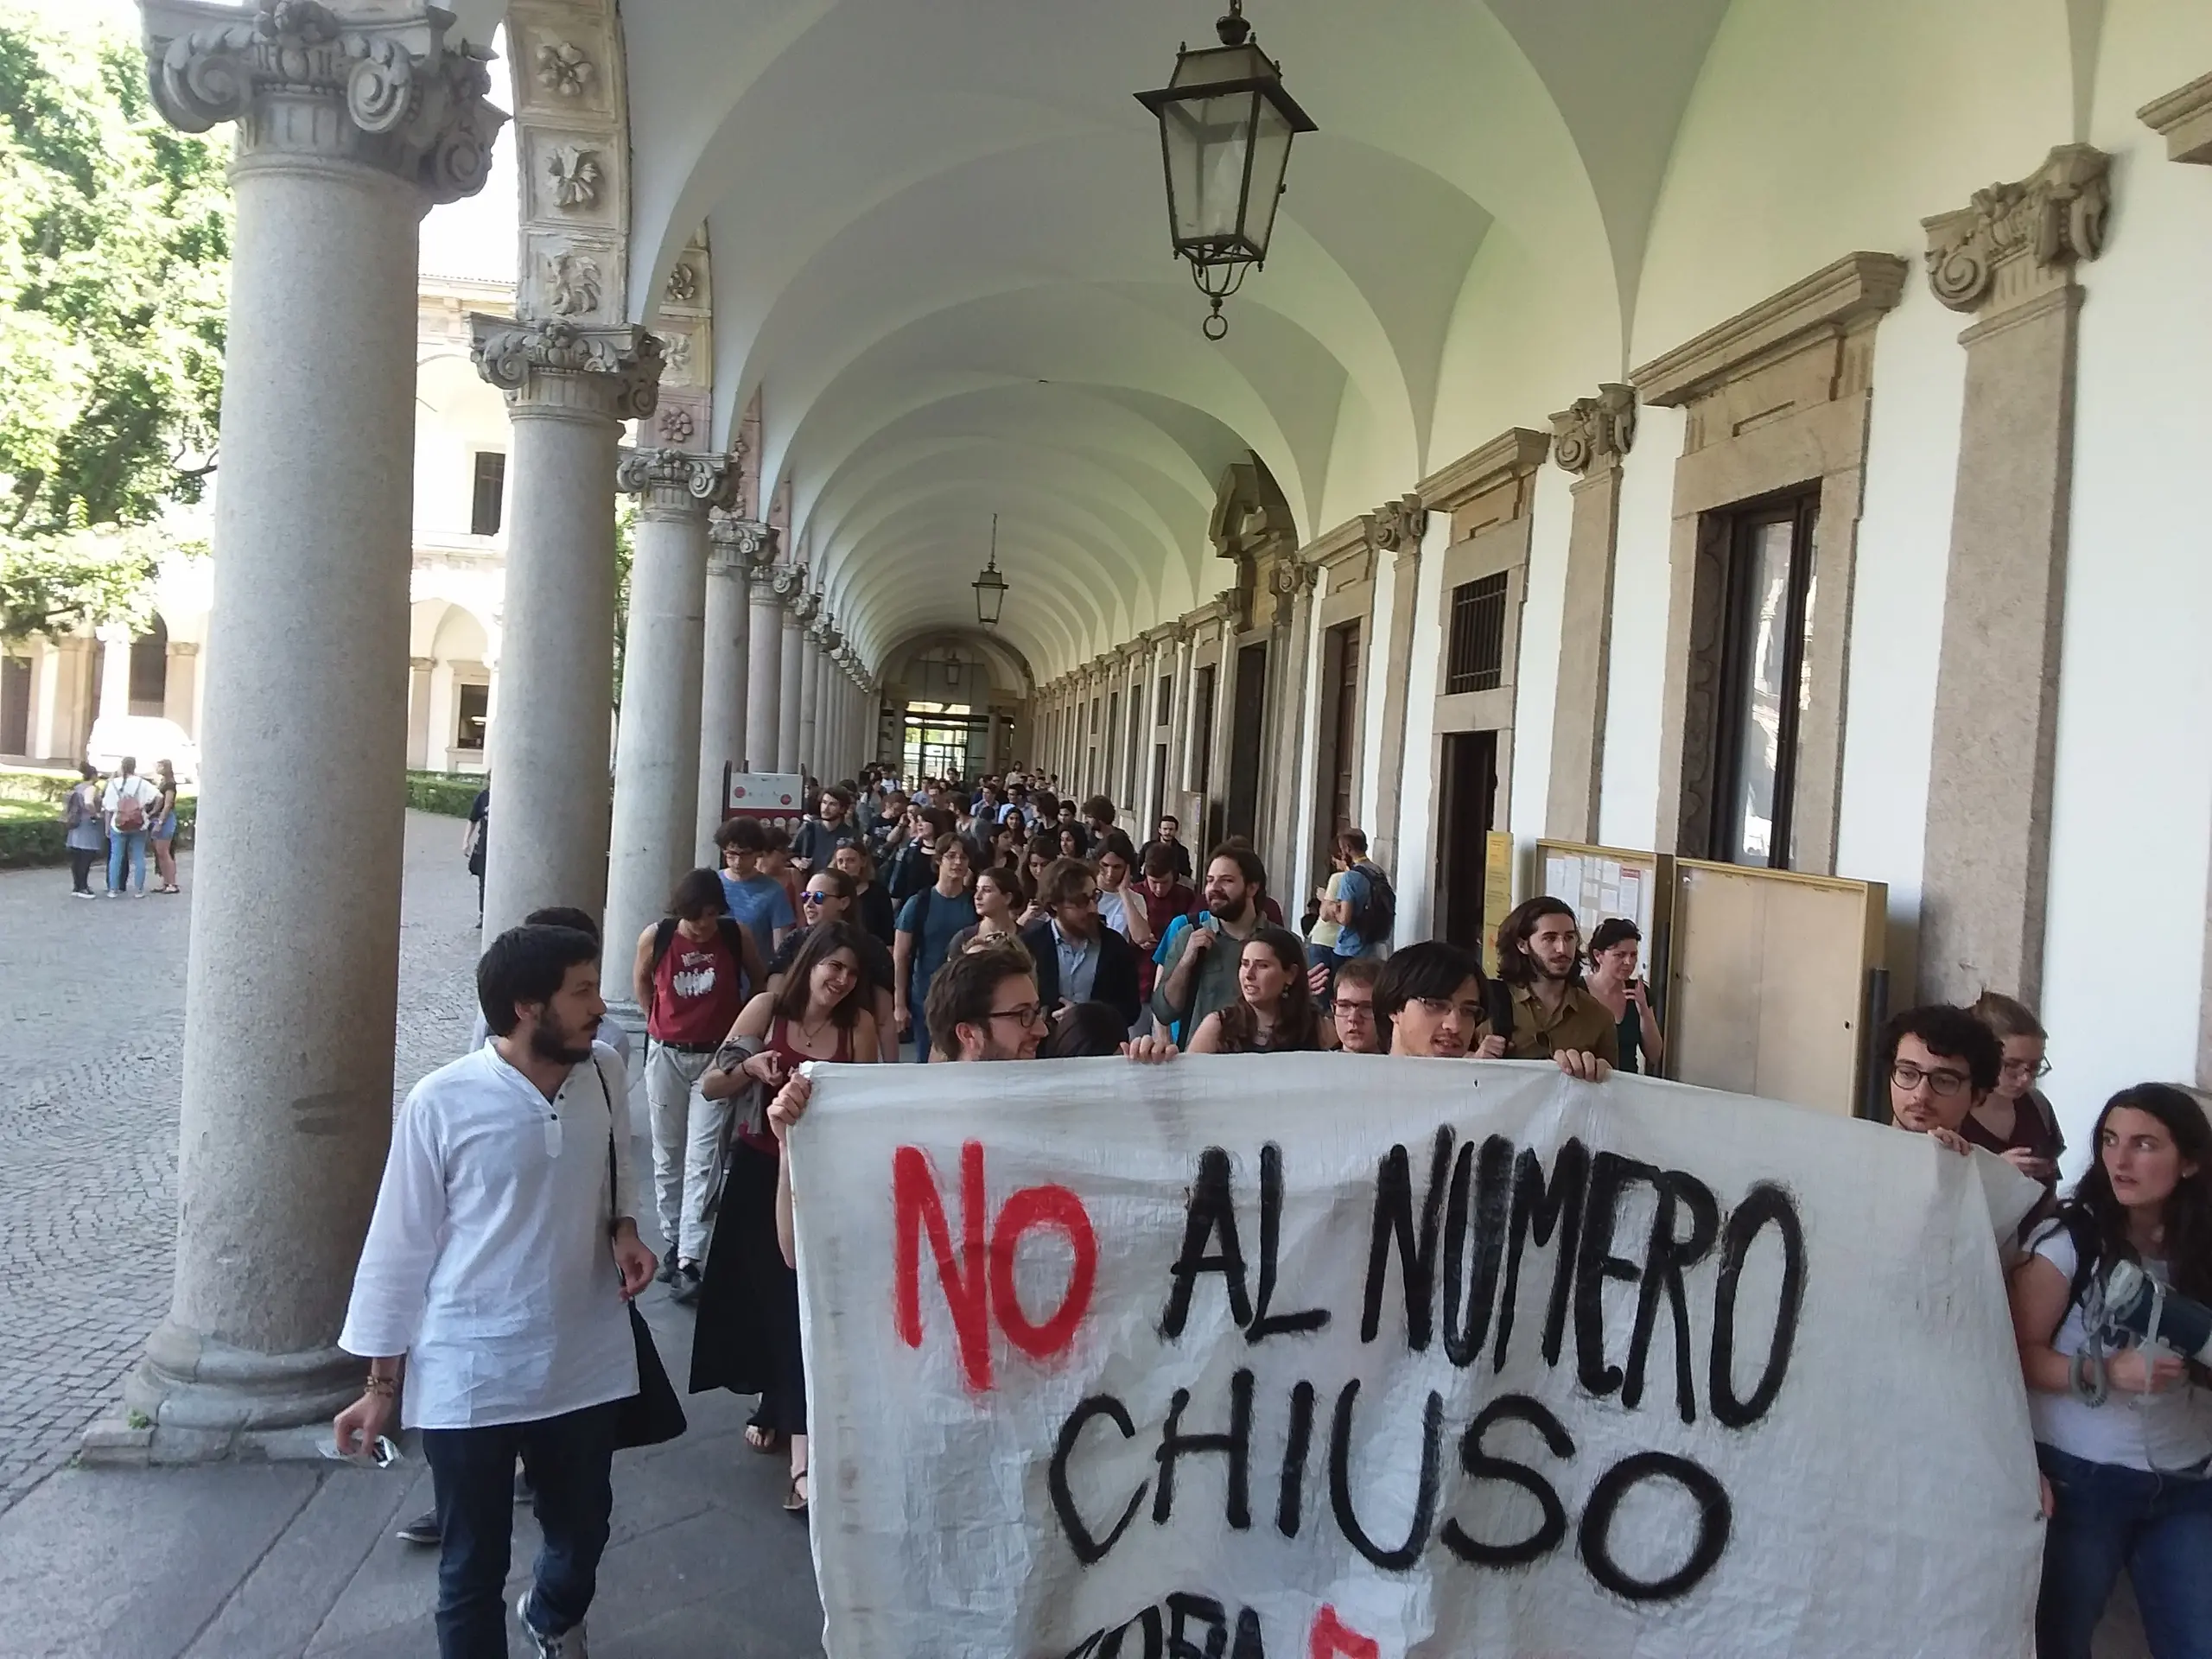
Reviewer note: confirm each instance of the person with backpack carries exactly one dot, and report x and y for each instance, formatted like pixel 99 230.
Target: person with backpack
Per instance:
pixel 83 831
pixel 128 804
pixel 693 971
pixel 2123 1419
pixel 1365 908
pixel 927 926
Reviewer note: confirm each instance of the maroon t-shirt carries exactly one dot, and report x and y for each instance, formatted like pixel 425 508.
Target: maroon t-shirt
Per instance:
pixel 698 991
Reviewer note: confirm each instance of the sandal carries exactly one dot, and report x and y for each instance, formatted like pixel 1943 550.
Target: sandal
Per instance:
pixel 764 1439
pixel 794 1499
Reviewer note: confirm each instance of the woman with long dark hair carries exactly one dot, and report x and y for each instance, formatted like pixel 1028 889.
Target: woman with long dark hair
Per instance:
pixel 1613 980
pixel 160 828
pixel 747 1336
pixel 1275 1012
pixel 999 899
pixel 2123 1430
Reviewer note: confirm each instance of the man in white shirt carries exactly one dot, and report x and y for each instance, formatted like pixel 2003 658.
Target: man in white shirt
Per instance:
pixel 128 803
pixel 493 1276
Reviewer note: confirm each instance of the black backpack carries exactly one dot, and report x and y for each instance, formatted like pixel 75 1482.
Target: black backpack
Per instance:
pixel 1374 920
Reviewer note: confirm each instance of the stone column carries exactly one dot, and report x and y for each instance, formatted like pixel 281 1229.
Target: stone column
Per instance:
pixel 569 391
pixel 115 670
pixel 810 689
pixel 1290 583
pixel 1589 440
pixel 1395 529
pixel 2008 259
pixel 418 710
pixel 764 656
pixel 798 610
pixel 180 689
pixel 657 744
pixel 350 127
pixel 725 674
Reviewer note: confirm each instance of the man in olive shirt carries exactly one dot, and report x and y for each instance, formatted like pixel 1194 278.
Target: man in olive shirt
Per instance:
pixel 1540 961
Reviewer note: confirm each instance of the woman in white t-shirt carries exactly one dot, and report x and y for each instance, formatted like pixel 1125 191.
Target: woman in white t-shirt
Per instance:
pixel 2124 1432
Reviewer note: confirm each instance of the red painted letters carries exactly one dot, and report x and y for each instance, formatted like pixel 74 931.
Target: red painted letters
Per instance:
pixel 980 1285
pixel 1333 1640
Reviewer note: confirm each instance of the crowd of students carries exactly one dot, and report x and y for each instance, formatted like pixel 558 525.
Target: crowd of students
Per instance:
pixel 1013 925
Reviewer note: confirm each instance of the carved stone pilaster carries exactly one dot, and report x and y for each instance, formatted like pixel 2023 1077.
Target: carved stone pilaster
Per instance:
pixel 1289 581
pixel 1395 527
pixel 2013 243
pixel 377 88
pixel 1594 433
pixel 671 484
pixel 611 372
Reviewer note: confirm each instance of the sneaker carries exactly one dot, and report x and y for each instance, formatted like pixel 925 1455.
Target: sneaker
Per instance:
pixel 569 1644
pixel 82 893
pixel 683 1289
pixel 423 1529
pixel 666 1273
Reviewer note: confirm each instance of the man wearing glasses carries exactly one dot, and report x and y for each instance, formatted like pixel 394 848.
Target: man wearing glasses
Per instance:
pixel 1941 1062
pixel 1354 1008
pixel 983 1005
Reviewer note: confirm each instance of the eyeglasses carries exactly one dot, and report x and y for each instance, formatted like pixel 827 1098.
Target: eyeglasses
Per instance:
pixel 1908 1077
pixel 1026 1016
pixel 2030 1069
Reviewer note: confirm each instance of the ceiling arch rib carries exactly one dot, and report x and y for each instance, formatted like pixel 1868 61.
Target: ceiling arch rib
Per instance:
pixel 1142 549
pixel 1038 533
pixel 922 209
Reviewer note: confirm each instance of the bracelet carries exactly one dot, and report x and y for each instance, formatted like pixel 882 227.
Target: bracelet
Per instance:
pixel 388 1386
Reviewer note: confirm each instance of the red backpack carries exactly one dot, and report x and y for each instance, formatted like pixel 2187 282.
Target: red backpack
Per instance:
pixel 129 810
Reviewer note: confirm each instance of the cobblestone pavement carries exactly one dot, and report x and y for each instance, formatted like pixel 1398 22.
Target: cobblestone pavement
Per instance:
pixel 91 1010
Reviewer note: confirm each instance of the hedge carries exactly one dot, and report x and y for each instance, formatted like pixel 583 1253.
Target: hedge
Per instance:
pixel 451 793
pixel 27 843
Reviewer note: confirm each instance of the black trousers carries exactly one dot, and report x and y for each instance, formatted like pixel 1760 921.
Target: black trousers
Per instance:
pixel 82 859
pixel 569 1460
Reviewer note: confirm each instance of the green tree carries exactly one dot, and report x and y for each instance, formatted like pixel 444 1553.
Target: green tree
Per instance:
pixel 115 238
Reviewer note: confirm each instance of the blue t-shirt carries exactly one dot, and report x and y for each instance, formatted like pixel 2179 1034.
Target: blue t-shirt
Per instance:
pixel 761 903
pixel 1356 891
pixel 933 918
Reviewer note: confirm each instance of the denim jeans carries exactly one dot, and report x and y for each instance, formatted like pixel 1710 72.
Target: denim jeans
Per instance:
pixel 126 855
pixel 569 1460
pixel 2107 1516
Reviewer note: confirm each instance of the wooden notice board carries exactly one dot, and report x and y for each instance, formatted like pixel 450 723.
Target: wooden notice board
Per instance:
pixel 1497 892
pixel 1767 982
pixel 1605 881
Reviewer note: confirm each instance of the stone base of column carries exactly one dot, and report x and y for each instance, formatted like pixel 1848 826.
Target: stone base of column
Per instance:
pixel 193 1401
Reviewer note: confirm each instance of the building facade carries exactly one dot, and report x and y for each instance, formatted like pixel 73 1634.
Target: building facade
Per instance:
pixel 1757 432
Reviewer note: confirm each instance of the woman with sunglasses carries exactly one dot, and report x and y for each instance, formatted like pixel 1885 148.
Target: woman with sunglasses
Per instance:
pixel 871 904
pixel 829 896
pixel 747 1339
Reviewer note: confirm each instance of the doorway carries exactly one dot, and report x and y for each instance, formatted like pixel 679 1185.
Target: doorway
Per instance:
pixel 1333 776
pixel 1248 722
pixel 15 705
pixel 1467 815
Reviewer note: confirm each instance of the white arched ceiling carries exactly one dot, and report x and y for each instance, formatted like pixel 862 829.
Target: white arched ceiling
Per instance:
pixel 941 261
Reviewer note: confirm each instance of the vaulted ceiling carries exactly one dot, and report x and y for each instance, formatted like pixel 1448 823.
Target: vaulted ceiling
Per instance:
pixel 940 256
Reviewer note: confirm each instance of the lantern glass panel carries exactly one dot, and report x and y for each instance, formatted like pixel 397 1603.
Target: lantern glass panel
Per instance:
pixel 1270 150
pixel 1207 141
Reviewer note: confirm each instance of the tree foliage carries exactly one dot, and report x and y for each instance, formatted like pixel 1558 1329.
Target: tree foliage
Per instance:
pixel 115 240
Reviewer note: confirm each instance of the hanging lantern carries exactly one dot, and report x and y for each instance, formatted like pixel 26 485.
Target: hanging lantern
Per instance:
pixel 990 586
pixel 1225 127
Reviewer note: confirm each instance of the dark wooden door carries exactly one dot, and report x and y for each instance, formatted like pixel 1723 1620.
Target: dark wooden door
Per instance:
pixel 1466 815
pixel 1248 723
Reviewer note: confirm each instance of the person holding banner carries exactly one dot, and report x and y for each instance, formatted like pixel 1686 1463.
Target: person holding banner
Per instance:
pixel 747 1339
pixel 1941 1062
pixel 1274 1013
pixel 2123 1424
pixel 1540 963
pixel 1432 996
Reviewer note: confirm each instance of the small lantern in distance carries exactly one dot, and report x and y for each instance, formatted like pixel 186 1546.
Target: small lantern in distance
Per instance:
pixel 1225 127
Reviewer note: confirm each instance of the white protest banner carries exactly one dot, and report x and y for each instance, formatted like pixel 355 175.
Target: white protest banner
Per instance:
pixel 1322 1355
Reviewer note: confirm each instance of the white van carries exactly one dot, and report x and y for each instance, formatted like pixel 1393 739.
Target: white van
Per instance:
pixel 148 739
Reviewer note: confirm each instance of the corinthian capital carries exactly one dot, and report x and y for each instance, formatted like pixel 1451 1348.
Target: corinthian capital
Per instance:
pixel 1396 526
pixel 614 371
pixel 672 482
pixel 379 87
pixel 747 545
pixel 2013 241
pixel 1594 433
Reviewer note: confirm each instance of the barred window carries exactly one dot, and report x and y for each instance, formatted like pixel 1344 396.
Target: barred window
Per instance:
pixel 1477 661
